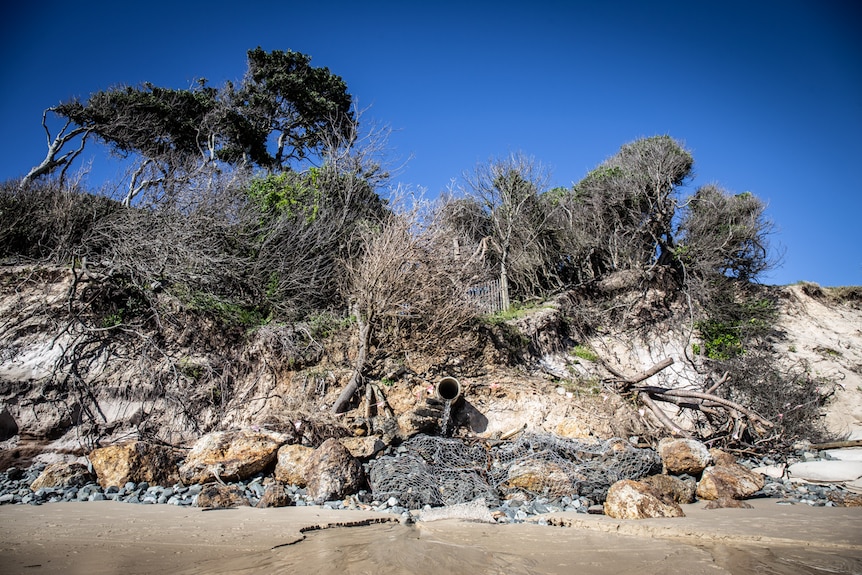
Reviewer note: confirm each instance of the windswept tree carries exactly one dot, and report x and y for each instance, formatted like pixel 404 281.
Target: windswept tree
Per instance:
pixel 297 104
pixel 281 112
pixel 621 215
pixel 725 234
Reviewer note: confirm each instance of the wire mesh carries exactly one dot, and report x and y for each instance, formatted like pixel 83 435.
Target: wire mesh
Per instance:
pixel 430 470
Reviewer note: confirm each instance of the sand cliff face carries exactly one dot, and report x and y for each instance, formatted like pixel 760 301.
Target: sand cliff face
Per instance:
pixel 200 379
pixel 827 335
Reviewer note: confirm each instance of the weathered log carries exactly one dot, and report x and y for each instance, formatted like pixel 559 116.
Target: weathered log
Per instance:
pixel 837 444
pixel 660 415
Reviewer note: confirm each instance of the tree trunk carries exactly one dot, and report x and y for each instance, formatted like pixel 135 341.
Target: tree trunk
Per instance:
pixel 504 284
pixel 359 366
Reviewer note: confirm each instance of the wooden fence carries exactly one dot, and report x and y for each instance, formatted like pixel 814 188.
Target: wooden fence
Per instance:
pixel 488 297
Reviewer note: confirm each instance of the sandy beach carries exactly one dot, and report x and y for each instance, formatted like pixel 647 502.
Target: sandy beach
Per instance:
pixel 103 538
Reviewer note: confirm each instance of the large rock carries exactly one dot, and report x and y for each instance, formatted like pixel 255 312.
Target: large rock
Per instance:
pixel 629 499
pixel 732 481
pixel 136 462
pixel 363 448
pixel 215 495
pixel 63 475
pixel 574 429
pixel 672 489
pixel 846 454
pixel 424 418
pixel 332 472
pixel 721 457
pixel 826 471
pixel 275 495
pixel 537 476
pixel 727 503
pixel 290 464
pixel 231 455
pixel 843 499
pixel 683 456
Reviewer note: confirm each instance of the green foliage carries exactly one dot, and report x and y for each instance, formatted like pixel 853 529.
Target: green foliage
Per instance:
pixel 725 234
pixel 720 340
pixel 288 194
pixel 282 100
pixel 585 353
pixel 190 369
pixel 299 102
pixel 230 313
pixel 515 311
pixel 325 324
pixel 149 120
pixel 113 319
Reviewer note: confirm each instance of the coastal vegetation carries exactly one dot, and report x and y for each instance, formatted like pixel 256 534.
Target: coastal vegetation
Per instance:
pixel 263 211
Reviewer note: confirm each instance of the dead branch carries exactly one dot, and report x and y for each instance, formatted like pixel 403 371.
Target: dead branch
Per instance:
pixel 704 402
pixel 661 415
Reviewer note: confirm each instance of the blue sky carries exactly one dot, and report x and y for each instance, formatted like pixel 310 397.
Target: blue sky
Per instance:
pixel 766 94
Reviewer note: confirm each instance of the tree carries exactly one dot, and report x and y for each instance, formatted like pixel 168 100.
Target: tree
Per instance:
pixel 725 234
pixel 620 216
pixel 299 104
pixel 502 214
pixel 178 134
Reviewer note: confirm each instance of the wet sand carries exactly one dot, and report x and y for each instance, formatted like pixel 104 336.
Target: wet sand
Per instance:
pixel 103 538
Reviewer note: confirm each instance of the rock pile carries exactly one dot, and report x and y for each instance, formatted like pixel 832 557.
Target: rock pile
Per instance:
pixel 255 468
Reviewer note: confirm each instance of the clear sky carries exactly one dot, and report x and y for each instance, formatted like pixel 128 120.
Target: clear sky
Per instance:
pixel 767 95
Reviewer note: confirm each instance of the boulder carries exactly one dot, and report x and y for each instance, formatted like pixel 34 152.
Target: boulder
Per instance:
pixel 290 464
pixel 683 456
pixel 275 495
pixel 629 499
pixel 231 455
pixel 733 481
pixel 846 454
pixel 720 457
pixel 843 499
pixel 826 471
pixel 216 495
pixel 63 475
pixel 574 429
pixel 672 489
pixel 424 418
pixel 537 476
pixel 727 503
pixel 363 448
pixel 332 472
pixel 136 462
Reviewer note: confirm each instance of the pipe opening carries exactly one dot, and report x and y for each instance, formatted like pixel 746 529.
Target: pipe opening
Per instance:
pixel 448 389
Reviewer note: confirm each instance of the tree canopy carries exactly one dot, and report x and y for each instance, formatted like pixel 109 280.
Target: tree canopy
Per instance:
pixel 283 110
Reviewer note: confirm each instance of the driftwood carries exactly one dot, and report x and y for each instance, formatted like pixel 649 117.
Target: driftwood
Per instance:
pixel 738 416
pixel 837 444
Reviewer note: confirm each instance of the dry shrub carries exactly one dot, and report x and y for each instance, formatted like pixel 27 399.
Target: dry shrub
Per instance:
pixel 48 221
pixel 792 398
